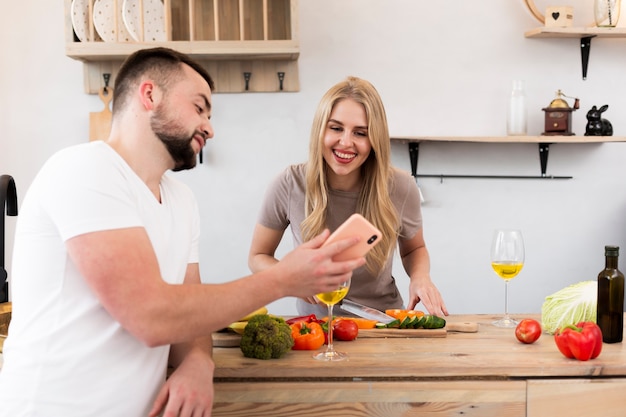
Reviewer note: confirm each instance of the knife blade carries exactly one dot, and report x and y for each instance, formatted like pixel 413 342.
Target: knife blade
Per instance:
pixel 365 311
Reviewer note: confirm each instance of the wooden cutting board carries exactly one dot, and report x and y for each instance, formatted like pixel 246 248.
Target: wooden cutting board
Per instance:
pixel 461 327
pixel 100 122
pixel 229 339
pixel 226 339
pixel 5 317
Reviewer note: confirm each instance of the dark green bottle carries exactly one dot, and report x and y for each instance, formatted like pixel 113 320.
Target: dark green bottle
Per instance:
pixel 611 298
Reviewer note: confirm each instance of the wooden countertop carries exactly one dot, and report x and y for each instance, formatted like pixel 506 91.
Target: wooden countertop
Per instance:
pixel 486 374
pixel 490 354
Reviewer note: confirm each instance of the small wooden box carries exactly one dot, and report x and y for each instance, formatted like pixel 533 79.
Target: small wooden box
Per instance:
pixel 559 16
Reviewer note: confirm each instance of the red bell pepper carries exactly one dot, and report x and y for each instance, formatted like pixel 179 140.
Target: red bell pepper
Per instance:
pixel 582 341
pixel 307 319
pixel 307 336
pixel 594 329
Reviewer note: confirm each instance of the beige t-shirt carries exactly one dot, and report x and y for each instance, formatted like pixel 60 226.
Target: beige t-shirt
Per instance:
pixel 284 206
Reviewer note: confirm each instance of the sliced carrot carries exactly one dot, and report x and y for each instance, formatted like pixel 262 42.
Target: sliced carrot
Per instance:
pixel 360 322
pixel 396 313
pixel 400 314
pixel 363 323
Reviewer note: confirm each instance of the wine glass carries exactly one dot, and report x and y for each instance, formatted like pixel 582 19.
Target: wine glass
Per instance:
pixel 330 299
pixel 507 259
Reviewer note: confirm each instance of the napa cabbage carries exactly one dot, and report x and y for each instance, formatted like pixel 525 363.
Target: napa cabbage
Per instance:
pixel 570 305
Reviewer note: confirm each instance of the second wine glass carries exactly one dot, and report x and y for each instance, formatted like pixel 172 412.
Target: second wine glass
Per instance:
pixel 330 299
pixel 507 259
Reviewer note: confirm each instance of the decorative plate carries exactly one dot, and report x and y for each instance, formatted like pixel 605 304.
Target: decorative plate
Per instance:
pixel 80 19
pixel 104 21
pixel 153 20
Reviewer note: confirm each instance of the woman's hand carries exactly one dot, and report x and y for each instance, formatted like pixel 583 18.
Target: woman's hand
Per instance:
pixel 311 300
pixel 425 291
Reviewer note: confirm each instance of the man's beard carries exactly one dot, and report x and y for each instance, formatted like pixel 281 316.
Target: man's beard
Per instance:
pixel 176 140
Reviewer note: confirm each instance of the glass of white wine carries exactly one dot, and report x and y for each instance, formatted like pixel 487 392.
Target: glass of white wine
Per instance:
pixel 507 259
pixel 330 299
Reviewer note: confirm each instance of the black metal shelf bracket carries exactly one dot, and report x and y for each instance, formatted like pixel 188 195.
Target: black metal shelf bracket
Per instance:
pixel 585 49
pixel 544 149
pixel 414 148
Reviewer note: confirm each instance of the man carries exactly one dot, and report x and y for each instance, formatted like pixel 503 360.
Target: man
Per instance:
pixel 104 237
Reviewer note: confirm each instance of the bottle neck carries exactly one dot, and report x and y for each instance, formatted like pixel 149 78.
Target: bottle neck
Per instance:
pixel 611 262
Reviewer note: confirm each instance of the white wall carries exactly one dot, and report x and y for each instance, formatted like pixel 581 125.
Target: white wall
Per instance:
pixel 442 68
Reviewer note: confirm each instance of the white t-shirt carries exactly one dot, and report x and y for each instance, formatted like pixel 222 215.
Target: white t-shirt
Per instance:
pixel 65 355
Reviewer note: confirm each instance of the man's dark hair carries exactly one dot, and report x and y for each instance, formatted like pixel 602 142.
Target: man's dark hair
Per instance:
pixel 163 65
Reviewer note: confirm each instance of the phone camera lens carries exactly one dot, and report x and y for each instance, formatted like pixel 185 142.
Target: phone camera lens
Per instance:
pixel 372 239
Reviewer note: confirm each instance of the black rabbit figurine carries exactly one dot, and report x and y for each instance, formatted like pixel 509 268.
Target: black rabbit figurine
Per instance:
pixel 596 125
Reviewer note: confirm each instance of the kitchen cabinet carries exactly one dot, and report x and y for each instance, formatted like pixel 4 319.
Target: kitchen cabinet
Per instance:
pixel 483 374
pixel 543 143
pixel 576 397
pixel 246 45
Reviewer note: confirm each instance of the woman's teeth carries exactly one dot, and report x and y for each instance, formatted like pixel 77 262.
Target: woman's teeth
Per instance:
pixel 344 155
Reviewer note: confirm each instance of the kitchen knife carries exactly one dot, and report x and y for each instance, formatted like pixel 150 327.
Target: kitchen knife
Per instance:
pixel 373 314
pixel 365 311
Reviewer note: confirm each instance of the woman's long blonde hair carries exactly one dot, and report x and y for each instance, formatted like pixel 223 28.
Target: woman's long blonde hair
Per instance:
pixel 374 201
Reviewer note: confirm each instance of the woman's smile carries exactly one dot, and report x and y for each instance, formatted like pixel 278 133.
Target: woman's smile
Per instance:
pixel 344 156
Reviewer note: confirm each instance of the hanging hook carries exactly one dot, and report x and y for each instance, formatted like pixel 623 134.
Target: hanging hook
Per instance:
pixel 281 78
pixel 106 77
pixel 246 77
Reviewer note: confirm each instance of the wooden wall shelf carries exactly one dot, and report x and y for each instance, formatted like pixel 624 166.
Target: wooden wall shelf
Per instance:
pixel 585 34
pixel 576 32
pixel 240 50
pixel 247 46
pixel 543 142
pixel 511 139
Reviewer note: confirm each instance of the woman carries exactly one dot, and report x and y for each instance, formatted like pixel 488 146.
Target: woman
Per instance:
pixel 349 170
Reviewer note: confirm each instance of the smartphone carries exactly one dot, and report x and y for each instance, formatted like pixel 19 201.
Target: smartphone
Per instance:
pixel 355 225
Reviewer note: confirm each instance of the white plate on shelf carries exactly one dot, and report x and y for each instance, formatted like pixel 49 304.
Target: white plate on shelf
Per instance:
pixel 153 20
pixel 80 19
pixel 104 21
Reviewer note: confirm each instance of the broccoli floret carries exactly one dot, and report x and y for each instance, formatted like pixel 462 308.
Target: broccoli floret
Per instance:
pixel 266 337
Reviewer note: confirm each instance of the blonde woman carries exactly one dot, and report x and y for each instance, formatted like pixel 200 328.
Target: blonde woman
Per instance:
pixel 349 170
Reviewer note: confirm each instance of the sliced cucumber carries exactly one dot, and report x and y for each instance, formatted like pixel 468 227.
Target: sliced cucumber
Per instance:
pixel 433 322
pixel 394 324
pixel 417 322
pixel 406 323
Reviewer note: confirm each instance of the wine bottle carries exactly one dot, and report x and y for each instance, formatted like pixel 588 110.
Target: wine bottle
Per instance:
pixel 610 310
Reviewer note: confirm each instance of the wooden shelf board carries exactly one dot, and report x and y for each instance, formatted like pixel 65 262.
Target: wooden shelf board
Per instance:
pixel 576 32
pixel 511 139
pixel 226 60
pixel 246 50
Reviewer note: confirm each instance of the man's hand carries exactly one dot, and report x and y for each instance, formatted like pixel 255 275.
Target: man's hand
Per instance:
pixel 188 391
pixel 309 269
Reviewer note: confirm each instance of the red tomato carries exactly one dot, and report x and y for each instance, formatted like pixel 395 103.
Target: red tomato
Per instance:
pixel 345 330
pixel 528 331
